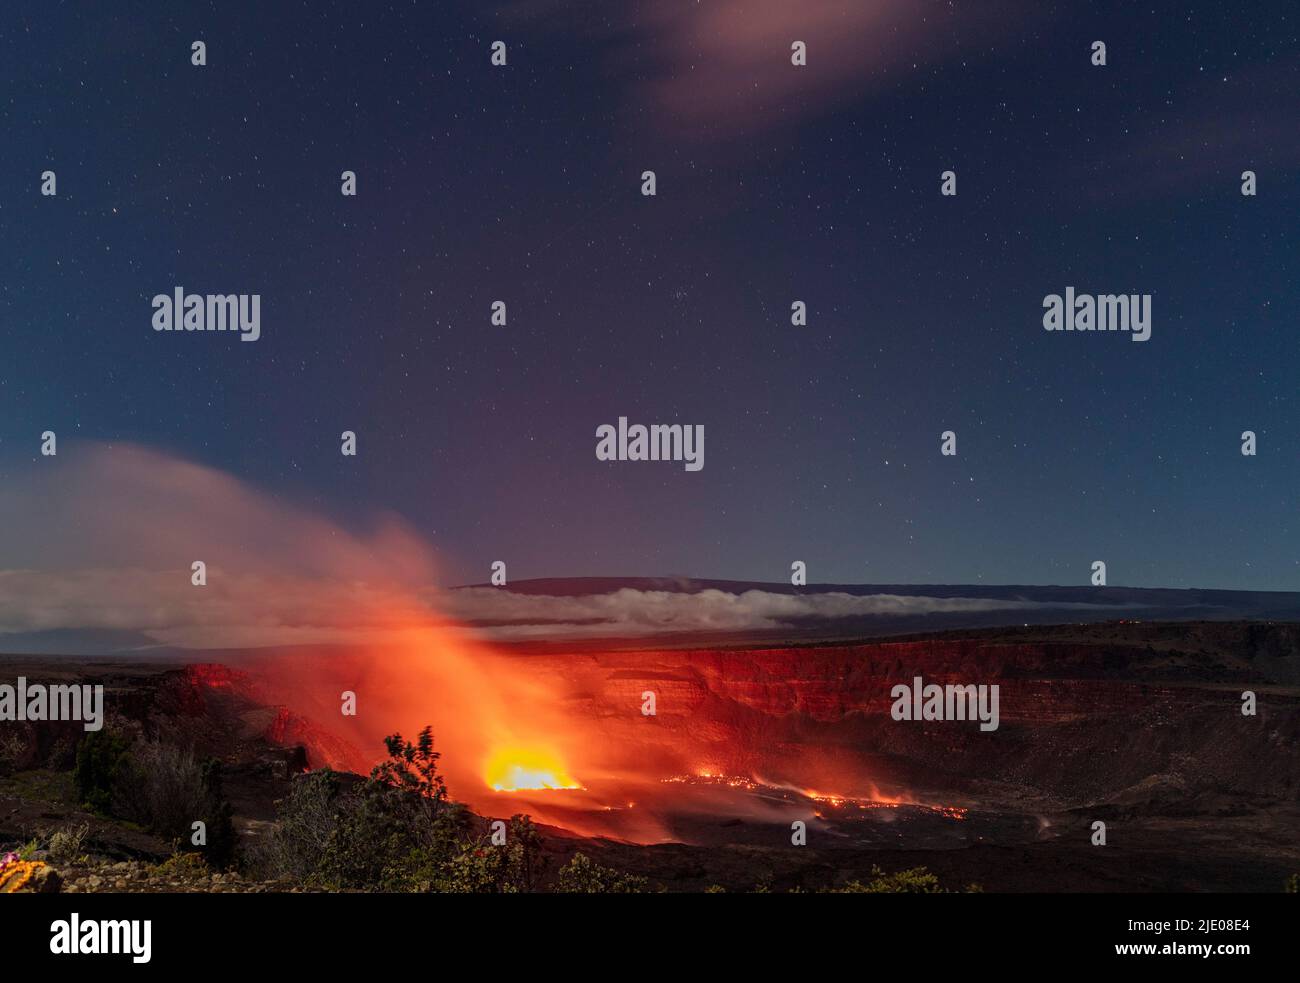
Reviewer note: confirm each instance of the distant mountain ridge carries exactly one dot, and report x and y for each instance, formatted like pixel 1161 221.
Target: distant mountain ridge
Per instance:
pixel 1161 596
pixel 571 587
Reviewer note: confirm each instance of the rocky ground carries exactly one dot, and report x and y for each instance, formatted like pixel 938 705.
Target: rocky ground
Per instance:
pixel 136 877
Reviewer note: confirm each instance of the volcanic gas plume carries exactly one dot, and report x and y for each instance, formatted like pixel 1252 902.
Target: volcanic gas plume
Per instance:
pixel 106 537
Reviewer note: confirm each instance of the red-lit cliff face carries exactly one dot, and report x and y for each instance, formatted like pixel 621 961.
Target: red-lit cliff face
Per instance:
pixel 1140 720
pixel 1079 723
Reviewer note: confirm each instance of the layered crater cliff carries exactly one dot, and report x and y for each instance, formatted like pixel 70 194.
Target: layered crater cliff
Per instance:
pixel 1122 714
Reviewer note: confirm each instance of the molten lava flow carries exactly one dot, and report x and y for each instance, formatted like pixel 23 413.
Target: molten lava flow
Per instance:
pixel 513 769
pixel 825 803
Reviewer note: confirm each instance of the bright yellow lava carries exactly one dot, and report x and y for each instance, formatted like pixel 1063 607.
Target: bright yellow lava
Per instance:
pixel 513 769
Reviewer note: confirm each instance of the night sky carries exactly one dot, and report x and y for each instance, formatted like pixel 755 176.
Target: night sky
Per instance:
pixel 775 183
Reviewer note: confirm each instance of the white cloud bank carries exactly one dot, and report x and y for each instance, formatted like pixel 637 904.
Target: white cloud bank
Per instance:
pixel 629 612
pixel 102 538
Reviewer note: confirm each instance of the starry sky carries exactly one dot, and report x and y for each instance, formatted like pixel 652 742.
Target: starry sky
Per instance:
pixel 775 183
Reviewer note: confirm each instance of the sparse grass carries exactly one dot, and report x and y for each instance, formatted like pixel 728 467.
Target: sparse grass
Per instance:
pixel 183 867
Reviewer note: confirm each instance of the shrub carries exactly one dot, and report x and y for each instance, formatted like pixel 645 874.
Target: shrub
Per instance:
pixel 915 880
pixel 482 867
pixel 13 751
pixel 183 867
pixel 477 868
pixel 62 754
pixel 167 789
pixel 395 831
pixel 524 843
pixel 581 875
pixel 308 822
pixel 217 813
pixel 380 841
pixel 98 770
pixel 66 845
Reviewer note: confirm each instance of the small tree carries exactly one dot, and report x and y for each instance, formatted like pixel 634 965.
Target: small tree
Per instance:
pixel 408 789
pixel 396 831
pixel 412 767
pixel 525 845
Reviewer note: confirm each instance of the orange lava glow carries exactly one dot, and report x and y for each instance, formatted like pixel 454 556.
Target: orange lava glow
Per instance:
pixel 515 769
pixel 830 802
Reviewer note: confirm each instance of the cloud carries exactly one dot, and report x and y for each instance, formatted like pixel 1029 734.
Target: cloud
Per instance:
pixel 629 612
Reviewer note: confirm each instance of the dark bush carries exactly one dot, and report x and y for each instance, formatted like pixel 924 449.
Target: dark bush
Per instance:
pixel 167 789
pixel 395 831
pixel 914 880
pixel 98 770
pixel 582 875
